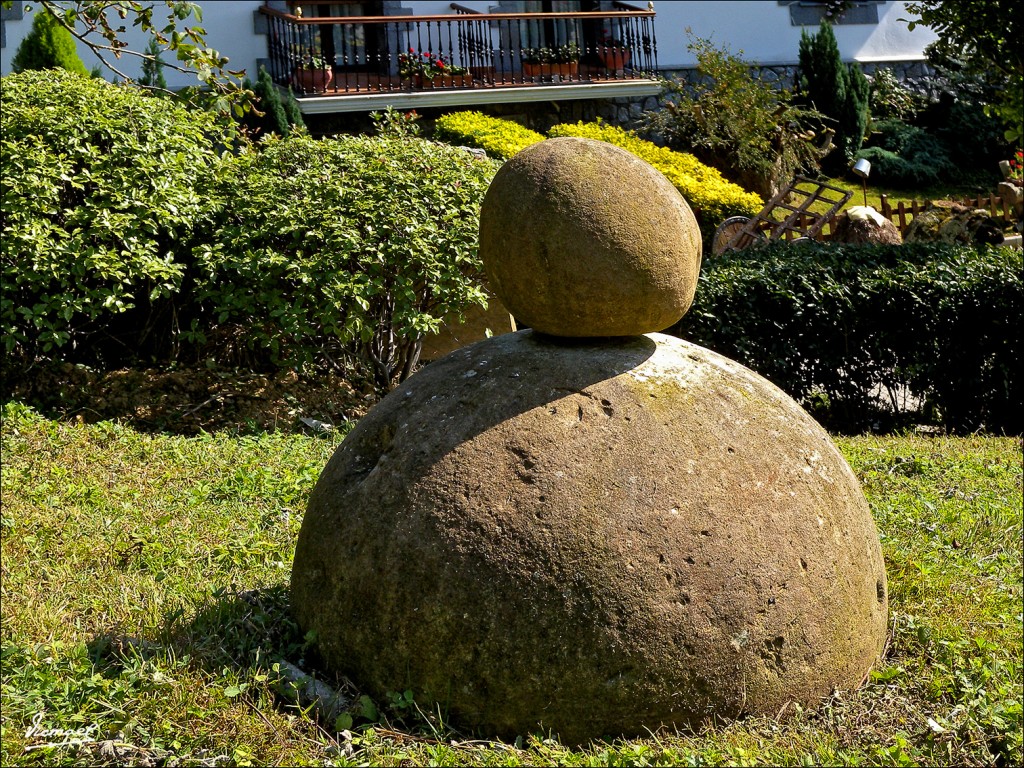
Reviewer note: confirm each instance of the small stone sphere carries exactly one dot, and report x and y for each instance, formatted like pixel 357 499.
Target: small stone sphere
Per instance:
pixel 594 538
pixel 581 238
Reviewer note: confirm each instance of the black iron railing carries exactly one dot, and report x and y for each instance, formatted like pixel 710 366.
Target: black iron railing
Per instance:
pixel 335 55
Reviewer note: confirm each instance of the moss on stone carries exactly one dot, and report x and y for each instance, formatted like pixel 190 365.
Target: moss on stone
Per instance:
pixel 597 538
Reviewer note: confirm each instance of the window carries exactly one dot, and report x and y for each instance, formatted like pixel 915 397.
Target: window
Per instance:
pixel 803 13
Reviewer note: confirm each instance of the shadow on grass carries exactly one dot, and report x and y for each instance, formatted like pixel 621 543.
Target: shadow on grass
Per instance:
pixel 245 634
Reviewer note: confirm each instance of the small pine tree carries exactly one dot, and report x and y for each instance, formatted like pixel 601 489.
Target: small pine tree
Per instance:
pixel 47 46
pixel 153 67
pixel 277 116
pixel 291 109
pixel 856 112
pixel 838 91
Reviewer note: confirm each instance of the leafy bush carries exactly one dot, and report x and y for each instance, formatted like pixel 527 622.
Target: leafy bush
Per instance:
pixel 48 45
pixel 713 198
pixel 839 91
pixel 832 324
pixel 367 241
pixel 498 138
pixel 104 186
pixel 742 125
pixel 889 99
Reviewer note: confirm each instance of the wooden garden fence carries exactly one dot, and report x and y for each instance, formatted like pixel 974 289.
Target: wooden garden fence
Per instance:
pixel 903 212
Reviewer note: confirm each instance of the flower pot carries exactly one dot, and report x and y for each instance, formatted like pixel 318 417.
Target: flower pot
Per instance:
pixel 615 59
pixel 443 81
pixel 563 69
pixel 312 80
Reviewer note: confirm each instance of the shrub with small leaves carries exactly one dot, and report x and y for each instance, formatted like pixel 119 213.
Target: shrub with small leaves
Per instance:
pixel 889 99
pixel 713 198
pixel 364 242
pixel 498 138
pixel 838 324
pixel 104 187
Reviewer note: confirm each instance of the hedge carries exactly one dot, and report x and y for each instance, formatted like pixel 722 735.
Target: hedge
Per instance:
pixel 367 242
pixel 703 186
pixel 104 188
pixel 712 197
pixel 834 325
pixel 130 236
pixel 498 138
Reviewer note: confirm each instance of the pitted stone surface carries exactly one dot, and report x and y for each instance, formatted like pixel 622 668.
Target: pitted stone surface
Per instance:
pixel 597 538
pixel 581 238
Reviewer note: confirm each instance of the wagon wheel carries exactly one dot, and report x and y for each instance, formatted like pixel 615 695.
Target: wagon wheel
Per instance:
pixel 727 230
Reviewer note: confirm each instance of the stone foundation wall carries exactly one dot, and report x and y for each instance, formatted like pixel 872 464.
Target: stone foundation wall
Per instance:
pixel 626 111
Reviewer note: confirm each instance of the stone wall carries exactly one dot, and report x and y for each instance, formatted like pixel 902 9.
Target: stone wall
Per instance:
pixel 626 111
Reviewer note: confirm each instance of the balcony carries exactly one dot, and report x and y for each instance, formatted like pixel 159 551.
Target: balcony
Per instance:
pixel 358 63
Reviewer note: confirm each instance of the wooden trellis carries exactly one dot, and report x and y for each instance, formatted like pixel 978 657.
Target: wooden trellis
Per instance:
pixel 797 220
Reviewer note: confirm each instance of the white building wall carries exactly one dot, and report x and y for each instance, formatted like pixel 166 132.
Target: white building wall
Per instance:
pixel 229 29
pixel 757 30
pixel 761 31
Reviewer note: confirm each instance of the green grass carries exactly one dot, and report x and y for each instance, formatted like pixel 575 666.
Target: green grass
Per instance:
pixel 896 196
pixel 144 602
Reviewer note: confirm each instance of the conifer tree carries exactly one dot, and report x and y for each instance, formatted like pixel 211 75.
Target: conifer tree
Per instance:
pixel 291 109
pixel 153 67
pixel 836 90
pixel 48 45
pixel 278 116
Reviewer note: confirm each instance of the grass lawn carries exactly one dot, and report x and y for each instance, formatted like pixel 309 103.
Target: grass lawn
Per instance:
pixel 875 192
pixel 144 606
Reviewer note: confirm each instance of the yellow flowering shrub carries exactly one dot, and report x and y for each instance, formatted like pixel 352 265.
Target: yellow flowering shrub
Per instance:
pixel 712 197
pixel 704 187
pixel 498 138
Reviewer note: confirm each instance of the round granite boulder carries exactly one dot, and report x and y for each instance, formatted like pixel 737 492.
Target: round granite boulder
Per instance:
pixel 594 538
pixel 581 238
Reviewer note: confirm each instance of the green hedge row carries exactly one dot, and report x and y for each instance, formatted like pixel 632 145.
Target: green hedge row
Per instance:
pixel 498 138
pixel 129 231
pixel 869 334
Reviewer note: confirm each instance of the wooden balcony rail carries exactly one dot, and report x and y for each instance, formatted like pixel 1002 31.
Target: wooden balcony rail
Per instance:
pixel 467 49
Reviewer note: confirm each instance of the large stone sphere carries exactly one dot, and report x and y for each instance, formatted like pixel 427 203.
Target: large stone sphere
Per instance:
pixel 597 539
pixel 581 238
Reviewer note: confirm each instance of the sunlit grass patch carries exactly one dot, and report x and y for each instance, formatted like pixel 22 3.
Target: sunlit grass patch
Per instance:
pixel 145 613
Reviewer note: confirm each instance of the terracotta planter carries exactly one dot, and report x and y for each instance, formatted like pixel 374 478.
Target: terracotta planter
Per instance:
pixel 312 80
pixel 615 59
pixel 442 81
pixel 564 69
